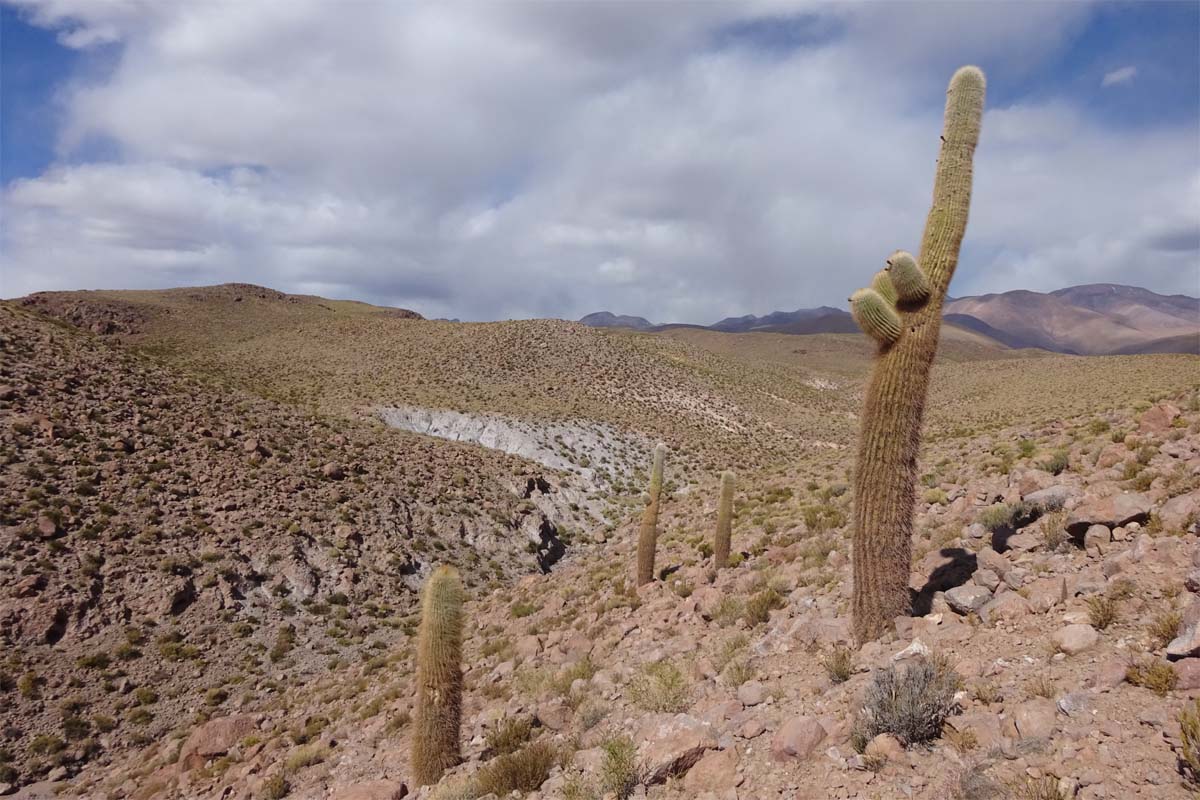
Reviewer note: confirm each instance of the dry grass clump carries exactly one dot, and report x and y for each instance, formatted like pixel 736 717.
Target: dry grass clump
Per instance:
pixel 1043 788
pixel 1164 626
pixel 1103 611
pixel 509 735
pixel 761 604
pixel 1152 674
pixel 839 664
pixel 662 687
pixel 1189 751
pixel 522 771
pixel 912 704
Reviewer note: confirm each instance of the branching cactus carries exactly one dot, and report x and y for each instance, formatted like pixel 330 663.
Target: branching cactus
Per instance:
pixel 724 522
pixel 648 537
pixel 435 738
pixel 886 470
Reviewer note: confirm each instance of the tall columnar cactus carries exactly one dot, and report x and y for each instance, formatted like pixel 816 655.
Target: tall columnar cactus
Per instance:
pixel 435 739
pixel 648 537
pixel 886 471
pixel 724 522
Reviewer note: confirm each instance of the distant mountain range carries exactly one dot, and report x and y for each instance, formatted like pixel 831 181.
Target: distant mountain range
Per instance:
pixel 1096 319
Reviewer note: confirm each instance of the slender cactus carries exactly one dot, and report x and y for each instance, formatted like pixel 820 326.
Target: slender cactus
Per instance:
pixel 886 471
pixel 724 522
pixel 435 740
pixel 648 537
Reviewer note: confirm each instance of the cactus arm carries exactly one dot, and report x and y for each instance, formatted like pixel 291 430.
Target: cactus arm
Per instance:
pixel 876 316
pixel 890 437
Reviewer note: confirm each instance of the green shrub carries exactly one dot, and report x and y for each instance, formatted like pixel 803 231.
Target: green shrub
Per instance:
pixel 619 771
pixel 662 687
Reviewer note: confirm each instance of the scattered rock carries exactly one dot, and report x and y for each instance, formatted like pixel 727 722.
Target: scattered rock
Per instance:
pixel 1074 639
pixel 797 739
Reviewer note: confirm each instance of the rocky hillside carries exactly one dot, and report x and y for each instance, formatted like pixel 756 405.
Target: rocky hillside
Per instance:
pixel 1057 627
pixel 172 547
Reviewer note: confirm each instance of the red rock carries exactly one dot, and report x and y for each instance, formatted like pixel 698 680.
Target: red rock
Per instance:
pixel 372 790
pixel 1158 419
pixel 797 739
pixel 1187 673
pixel 671 744
pixel 716 772
pixel 214 739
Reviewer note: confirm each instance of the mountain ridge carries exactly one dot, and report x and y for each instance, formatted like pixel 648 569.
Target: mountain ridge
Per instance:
pixel 1088 319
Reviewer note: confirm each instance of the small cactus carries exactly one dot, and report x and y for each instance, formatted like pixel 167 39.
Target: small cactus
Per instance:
pixel 907 277
pixel 724 522
pixel 648 537
pixel 875 315
pixel 435 739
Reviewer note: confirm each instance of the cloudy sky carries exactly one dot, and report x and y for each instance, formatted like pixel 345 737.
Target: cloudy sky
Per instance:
pixel 681 161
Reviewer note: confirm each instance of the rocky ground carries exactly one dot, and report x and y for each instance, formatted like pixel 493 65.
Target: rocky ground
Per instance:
pixel 173 548
pixel 1059 579
pixel 211 593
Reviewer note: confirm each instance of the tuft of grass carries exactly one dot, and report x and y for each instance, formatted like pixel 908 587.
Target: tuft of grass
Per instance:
pixel 522 771
pixel 1057 463
pixel 760 606
pixel 1152 674
pixel 1041 686
pixel 1189 726
pixel 1043 788
pixel 509 735
pixel 1163 627
pixel 1102 611
pixel 275 787
pixel 839 664
pixel 662 687
pixel 305 757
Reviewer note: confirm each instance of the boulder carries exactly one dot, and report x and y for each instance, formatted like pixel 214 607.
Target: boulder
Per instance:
pixel 967 598
pixel 1180 511
pixel 1045 593
pixel 1187 674
pixel 1157 419
pixel 372 790
pixel 715 772
pixel 1111 511
pixel 1186 644
pixel 751 693
pixel 1096 536
pixel 1051 498
pixel 214 739
pixel 1074 639
pixel 671 744
pixel 1009 605
pixel 1035 719
pixel 797 739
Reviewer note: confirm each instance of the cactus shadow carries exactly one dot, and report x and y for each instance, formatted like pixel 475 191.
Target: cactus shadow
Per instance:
pixel 957 567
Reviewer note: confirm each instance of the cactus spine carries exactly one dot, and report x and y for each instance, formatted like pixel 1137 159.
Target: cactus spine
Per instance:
pixel 890 438
pixel 435 742
pixel 875 315
pixel 648 537
pixel 724 522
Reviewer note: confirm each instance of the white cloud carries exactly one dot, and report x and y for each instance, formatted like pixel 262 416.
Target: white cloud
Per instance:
pixel 1119 77
pixel 498 160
